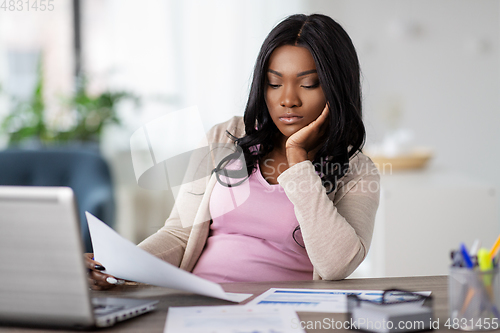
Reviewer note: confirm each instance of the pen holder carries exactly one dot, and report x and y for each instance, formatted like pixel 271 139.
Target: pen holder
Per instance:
pixel 474 299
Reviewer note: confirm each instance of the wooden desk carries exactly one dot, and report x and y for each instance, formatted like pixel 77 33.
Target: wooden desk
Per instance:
pixel 154 322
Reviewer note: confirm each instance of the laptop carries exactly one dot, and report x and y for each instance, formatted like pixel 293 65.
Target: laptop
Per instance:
pixel 43 278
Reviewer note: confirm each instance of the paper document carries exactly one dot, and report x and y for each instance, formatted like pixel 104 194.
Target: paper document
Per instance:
pixel 316 300
pixel 125 260
pixel 231 319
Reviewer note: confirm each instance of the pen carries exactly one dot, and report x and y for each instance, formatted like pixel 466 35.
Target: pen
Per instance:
pixel 468 263
pixel 494 249
pixel 473 251
pixel 466 257
pixel 475 247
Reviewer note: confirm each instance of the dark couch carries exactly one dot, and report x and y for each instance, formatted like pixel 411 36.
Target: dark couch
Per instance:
pixel 84 170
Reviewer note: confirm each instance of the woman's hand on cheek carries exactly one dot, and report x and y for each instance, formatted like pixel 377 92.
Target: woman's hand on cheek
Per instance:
pixel 303 144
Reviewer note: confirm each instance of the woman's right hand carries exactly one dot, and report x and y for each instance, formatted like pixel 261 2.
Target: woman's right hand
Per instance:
pixel 98 280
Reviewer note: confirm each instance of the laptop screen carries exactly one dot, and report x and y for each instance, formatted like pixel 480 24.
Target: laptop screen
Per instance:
pixel 42 275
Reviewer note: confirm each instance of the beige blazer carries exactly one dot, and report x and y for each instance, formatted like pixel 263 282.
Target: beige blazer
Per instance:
pixel 336 228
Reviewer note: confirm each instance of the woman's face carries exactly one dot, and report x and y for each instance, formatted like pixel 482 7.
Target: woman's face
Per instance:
pixel 294 97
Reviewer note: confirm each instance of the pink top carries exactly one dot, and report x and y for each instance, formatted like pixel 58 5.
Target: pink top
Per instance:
pixel 251 235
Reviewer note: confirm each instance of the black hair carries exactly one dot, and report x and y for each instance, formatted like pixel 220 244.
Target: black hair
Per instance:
pixel 339 76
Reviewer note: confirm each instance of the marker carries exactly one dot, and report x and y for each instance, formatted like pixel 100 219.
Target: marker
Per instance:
pixel 473 251
pixel 485 265
pixel 466 257
pixel 494 249
pixel 484 260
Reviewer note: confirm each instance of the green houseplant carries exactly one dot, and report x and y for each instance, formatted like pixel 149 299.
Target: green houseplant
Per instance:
pixel 27 121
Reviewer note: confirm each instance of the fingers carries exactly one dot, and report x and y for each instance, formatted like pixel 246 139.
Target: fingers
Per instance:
pixel 96 279
pixel 91 263
pixel 320 124
pixel 321 120
pixel 326 110
pixel 308 139
pixel 318 130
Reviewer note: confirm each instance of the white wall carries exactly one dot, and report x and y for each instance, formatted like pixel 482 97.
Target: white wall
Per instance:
pixel 440 61
pixel 435 64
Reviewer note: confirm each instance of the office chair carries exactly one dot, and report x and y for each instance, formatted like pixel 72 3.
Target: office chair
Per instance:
pixel 84 170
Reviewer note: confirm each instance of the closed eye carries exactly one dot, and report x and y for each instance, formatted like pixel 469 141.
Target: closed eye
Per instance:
pixel 274 86
pixel 313 86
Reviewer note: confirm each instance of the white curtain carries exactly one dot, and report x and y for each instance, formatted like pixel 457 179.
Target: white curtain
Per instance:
pixel 190 52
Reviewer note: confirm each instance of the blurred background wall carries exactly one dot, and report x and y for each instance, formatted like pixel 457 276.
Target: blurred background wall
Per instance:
pixel 430 73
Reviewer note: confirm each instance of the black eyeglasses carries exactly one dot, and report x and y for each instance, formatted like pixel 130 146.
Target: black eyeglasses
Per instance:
pixel 391 296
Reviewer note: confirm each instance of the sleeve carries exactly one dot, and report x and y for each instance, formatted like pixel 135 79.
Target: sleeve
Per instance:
pixel 169 242
pixel 337 233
